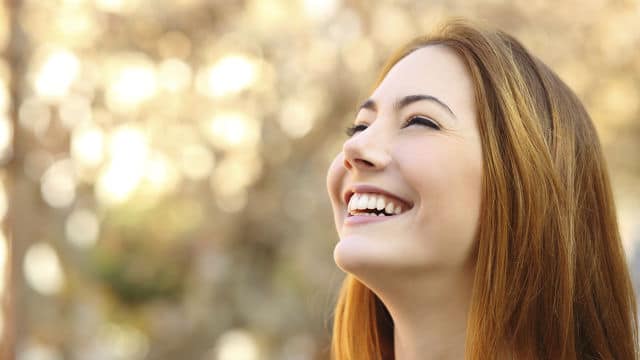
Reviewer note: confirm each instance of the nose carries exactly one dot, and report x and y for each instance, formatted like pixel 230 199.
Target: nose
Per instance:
pixel 366 151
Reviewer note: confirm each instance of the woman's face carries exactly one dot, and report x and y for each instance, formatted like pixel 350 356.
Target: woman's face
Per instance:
pixel 418 149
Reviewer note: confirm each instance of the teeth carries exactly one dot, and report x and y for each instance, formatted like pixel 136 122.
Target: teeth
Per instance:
pixel 389 208
pixel 373 200
pixel 363 201
pixel 353 201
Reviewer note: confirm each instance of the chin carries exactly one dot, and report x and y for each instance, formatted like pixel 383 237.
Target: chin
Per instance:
pixel 353 255
pixel 357 256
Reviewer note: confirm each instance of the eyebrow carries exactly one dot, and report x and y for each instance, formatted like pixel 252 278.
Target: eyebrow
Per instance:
pixel 370 104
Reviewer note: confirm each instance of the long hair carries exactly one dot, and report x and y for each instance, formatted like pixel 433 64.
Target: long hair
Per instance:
pixel 551 279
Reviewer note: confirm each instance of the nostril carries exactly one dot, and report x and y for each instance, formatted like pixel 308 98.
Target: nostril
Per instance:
pixel 365 162
pixel 358 162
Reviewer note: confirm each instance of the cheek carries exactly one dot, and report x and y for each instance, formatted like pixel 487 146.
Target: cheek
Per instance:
pixel 335 177
pixel 448 182
pixel 446 172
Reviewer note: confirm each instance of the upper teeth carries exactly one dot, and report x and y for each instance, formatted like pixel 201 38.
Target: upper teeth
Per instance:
pixel 374 201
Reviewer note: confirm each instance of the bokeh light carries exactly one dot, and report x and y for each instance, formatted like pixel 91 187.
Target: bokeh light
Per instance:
pixel 117 341
pixel 174 75
pixel 58 184
pixel 132 82
pixel 229 130
pixel 87 145
pixel 56 73
pixel 227 76
pixel 160 175
pixel 82 228
pixel 237 345
pixel 42 269
pixel 196 161
pixel 117 6
pixel 320 9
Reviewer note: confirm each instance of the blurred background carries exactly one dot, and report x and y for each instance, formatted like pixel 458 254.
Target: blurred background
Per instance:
pixel 163 161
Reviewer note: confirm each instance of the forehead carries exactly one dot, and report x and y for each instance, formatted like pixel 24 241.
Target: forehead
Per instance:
pixel 434 70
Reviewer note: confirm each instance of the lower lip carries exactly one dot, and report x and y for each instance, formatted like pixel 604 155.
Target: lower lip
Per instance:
pixel 357 220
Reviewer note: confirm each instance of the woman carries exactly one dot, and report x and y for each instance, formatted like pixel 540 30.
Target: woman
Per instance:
pixel 475 214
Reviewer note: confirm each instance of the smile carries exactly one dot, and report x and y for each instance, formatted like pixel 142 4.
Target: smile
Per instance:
pixel 374 205
pixel 366 208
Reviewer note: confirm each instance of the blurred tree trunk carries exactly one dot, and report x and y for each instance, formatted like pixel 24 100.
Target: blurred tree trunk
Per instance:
pixel 15 59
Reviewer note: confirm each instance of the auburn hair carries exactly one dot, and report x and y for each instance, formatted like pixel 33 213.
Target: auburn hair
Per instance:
pixel 551 279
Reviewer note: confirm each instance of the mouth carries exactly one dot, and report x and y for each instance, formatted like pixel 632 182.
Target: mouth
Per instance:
pixel 369 201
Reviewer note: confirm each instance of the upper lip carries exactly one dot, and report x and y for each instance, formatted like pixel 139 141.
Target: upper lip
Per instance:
pixel 366 188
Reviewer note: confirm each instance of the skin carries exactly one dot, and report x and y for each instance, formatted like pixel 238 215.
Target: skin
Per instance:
pixel 418 263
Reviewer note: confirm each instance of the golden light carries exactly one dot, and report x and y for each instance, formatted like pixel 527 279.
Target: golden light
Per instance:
pixel 320 9
pixel 87 145
pixel 56 74
pixel 237 345
pixel 58 184
pixel 296 118
pixel 299 113
pixel 128 149
pixel 75 26
pixel 160 174
pixel 131 84
pixel 129 143
pixel 233 130
pixel 117 182
pixel 42 269
pixel 174 75
pixel 196 161
pixel 82 228
pixel 268 14
pixel 228 76
pixel 117 6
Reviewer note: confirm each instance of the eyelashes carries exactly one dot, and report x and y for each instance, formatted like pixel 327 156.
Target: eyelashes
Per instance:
pixel 352 130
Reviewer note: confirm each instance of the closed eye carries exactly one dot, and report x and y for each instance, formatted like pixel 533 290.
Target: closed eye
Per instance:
pixel 423 121
pixel 351 130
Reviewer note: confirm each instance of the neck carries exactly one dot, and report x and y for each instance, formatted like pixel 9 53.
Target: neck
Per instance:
pixel 430 318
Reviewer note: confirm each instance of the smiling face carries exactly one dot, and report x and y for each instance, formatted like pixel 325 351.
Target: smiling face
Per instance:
pixel 416 140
